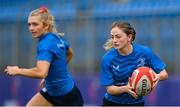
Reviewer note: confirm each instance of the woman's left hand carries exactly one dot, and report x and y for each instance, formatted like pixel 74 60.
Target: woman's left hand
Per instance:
pixel 12 70
pixel 155 80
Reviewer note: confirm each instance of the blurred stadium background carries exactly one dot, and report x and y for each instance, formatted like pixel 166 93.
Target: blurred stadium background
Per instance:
pixel 86 26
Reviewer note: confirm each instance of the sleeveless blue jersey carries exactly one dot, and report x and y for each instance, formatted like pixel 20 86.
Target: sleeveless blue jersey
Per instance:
pixel 52 48
pixel 116 69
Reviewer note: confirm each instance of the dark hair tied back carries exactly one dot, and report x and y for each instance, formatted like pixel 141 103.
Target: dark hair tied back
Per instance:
pixel 126 27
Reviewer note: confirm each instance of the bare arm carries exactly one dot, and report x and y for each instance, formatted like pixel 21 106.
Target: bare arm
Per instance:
pixel 163 75
pixel 117 90
pixel 69 55
pixel 40 71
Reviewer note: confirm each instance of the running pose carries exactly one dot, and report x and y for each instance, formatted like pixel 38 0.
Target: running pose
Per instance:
pixel 53 54
pixel 122 58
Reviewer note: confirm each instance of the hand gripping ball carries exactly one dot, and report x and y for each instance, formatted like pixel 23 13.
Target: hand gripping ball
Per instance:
pixel 142 80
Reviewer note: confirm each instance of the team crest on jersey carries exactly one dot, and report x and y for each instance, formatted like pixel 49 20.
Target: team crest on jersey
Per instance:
pixel 141 62
pixel 61 44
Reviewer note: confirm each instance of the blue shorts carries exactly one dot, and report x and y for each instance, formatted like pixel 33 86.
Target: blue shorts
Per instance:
pixel 73 98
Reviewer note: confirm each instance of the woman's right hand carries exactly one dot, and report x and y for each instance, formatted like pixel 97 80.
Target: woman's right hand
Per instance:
pixel 41 84
pixel 130 90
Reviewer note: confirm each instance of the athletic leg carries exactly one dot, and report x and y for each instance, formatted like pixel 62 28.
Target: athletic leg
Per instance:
pixel 38 100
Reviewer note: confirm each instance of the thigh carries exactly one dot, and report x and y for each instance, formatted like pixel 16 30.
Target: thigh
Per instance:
pixel 38 100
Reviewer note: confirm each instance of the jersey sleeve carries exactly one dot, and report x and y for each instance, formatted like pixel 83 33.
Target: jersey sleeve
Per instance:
pixel 66 44
pixel 106 76
pixel 45 51
pixel 156 63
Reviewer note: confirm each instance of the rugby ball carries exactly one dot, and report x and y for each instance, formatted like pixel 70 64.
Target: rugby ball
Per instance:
pixel 142 80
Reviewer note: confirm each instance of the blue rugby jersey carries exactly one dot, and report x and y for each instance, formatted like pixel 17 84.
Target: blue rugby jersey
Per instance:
pixel 116 69
pixel 52 48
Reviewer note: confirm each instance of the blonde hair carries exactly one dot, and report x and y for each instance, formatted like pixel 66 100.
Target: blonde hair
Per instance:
pixel 47 18
pixel 108 45
pixel 126 28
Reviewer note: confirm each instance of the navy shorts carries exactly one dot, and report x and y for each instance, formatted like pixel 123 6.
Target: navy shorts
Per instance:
pixel 109 103
pixel 73 98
